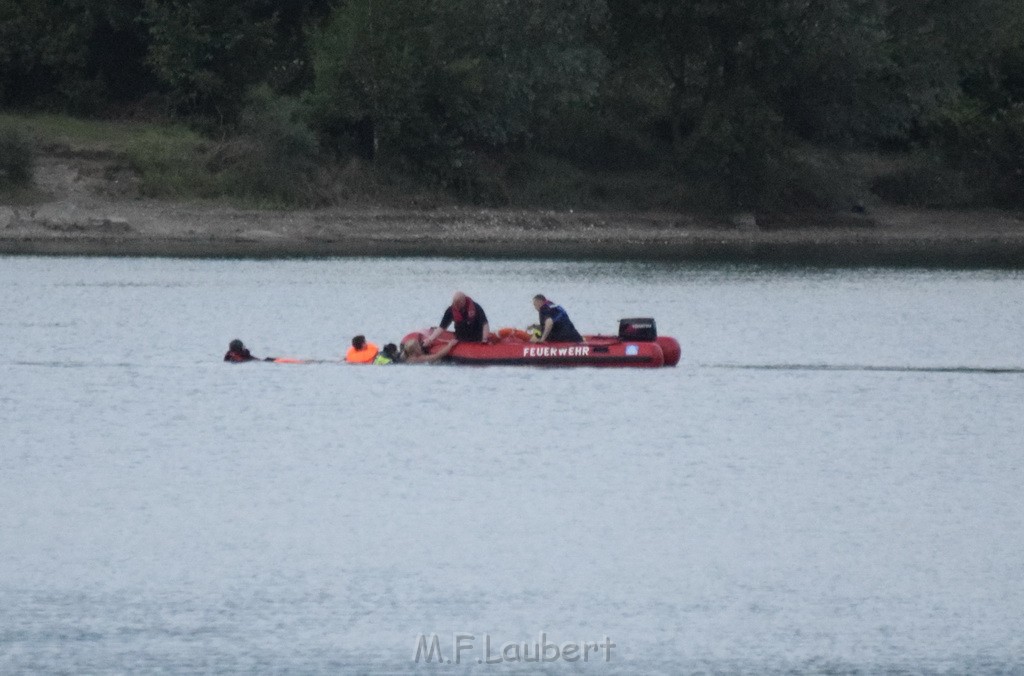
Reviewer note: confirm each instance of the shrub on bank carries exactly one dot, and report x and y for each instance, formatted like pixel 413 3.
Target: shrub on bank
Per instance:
pixel 976 160
pixel 15 160
pixel 923 178
pixel 273 157
pixel 739 157
pixel 989 147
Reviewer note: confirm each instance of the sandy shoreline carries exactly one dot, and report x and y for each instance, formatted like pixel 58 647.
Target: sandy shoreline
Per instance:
pixel 898 238
pixel 85 218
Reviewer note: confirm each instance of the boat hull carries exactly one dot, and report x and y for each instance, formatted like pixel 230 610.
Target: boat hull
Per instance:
pixel 670 349
pixel 601 351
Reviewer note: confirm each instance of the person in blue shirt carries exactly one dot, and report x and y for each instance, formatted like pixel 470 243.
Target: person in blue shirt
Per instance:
pixel 555 325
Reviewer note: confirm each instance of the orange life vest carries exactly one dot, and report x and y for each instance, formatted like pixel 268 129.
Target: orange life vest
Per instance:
pixel 363 356
pixel 467 313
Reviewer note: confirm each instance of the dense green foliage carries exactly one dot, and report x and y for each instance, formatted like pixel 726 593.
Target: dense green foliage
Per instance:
pixel 728 102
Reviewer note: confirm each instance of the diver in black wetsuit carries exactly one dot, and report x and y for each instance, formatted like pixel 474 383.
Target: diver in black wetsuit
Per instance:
pixel 238 353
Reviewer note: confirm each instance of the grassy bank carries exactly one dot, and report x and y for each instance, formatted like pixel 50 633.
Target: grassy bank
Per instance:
pixel 210 203
pixel 170 161
pixel 262 170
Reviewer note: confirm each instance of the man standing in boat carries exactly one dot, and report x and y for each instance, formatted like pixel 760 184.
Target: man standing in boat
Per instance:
pixel 555 325
pixel 469 318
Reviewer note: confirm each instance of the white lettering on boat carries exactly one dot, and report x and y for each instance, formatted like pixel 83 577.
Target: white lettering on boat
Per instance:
pixel 546 351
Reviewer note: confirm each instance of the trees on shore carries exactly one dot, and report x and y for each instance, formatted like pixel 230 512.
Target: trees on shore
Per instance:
pixel 728 95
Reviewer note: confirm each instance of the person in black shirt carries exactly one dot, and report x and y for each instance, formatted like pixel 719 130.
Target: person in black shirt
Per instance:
pixel 556 327
pixel 469 318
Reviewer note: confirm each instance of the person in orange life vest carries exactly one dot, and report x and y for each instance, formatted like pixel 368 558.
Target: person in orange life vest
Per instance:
pixel 555 324
pixel 238 353
pixel 361 351
pixel 413 352
pixel 470 321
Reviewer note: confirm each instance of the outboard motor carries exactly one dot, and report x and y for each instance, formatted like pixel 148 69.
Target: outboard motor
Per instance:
pixel 638 329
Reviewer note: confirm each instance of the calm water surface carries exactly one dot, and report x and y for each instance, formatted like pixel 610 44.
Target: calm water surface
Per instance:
pixel 830 481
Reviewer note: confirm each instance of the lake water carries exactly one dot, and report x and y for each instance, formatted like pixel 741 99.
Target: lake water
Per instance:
pixel 830 481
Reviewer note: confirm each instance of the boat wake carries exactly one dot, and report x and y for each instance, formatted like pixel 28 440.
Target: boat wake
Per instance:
pixel 868 367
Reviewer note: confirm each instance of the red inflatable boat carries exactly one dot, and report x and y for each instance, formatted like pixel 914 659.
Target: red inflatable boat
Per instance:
pixel 513 348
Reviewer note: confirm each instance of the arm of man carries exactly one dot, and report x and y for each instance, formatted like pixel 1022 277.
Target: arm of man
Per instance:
pixel 440 354
pixel 446 319
pixel 443 352
pixel 548 323
pixel 485 327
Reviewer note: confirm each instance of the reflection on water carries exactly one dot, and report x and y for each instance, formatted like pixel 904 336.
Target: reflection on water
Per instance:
pixel 829 481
